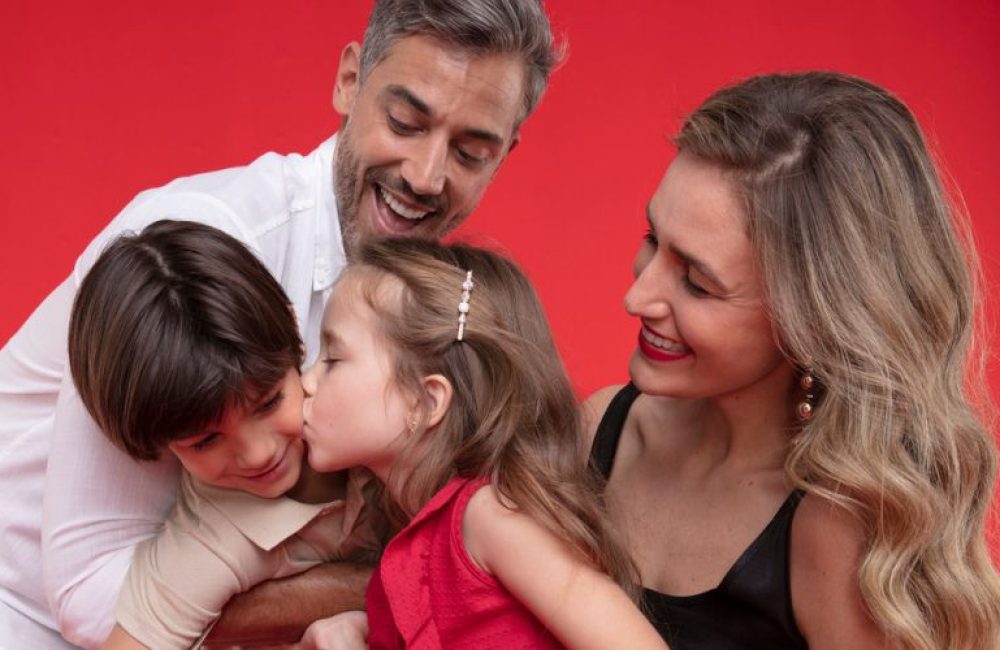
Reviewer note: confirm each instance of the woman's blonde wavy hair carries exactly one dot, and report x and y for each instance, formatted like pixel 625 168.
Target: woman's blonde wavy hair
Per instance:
pixel 513 416
pixel 871 280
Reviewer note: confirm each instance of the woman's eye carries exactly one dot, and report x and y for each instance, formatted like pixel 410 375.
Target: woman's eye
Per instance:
pixel 692 287
pixel 650 238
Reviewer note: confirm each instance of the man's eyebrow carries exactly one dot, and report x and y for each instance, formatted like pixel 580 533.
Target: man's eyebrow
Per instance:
pixel 688 258
pixel 403 93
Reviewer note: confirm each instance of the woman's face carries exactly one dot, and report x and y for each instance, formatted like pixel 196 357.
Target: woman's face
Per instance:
pixel 704 330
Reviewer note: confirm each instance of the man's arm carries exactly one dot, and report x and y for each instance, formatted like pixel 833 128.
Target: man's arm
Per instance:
pixel 279 611
pixel 98 503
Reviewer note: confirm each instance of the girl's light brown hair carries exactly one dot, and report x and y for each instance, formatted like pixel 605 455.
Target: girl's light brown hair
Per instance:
pixel 871 279
pixel 513 417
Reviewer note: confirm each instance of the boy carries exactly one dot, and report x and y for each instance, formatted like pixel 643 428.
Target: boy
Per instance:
pixel 179 338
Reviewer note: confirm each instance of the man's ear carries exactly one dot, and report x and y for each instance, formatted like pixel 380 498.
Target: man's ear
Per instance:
pixel 438 392
pixel 345 89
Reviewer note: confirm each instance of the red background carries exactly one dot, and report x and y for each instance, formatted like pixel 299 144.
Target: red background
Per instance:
pixel 102 99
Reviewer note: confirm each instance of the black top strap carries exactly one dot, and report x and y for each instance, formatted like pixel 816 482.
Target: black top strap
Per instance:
pixel 609 431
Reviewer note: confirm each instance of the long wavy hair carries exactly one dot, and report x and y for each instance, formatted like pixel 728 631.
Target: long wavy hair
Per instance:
pixel 513 416
pixel 871 280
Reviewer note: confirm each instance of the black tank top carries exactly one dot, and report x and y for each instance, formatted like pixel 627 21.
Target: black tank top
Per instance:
pixel 751 607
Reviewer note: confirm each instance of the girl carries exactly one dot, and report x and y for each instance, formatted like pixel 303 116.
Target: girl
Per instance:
pixel 437 371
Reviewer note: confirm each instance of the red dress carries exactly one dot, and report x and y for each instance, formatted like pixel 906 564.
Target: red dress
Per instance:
pixel 427 593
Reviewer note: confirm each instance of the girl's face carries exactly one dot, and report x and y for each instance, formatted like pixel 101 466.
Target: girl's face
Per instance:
pixel 704 330
pixel 256 449
pixel 354 412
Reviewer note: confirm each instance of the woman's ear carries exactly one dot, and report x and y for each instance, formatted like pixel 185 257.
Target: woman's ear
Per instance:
pixel 438 392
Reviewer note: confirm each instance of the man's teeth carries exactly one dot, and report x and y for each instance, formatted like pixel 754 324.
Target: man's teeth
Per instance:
pixel 663 344
pixel 402 210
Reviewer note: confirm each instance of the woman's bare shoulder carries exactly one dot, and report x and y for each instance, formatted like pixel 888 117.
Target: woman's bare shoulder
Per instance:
pixel 827 546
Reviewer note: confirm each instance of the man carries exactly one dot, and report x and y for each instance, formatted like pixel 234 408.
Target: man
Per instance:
pixel 431 104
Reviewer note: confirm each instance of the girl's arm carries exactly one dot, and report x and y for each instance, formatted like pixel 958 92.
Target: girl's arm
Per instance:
pixel 581 606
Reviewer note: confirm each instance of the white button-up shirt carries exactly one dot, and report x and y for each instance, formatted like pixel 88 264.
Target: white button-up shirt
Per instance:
pixel 74 506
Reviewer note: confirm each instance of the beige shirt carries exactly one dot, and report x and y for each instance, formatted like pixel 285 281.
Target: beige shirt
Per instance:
pixel 218 542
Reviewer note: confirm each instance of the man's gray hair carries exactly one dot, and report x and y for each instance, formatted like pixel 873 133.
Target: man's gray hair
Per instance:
pixel 482 27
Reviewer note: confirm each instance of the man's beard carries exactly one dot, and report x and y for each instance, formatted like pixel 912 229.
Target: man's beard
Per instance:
pixel 348 187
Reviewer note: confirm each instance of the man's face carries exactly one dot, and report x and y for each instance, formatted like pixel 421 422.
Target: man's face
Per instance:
pixel 422 136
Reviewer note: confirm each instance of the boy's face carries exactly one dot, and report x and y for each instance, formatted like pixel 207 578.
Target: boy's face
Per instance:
pixel 256 449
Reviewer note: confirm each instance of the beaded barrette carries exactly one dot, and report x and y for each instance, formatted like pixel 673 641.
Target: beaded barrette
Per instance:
pixel 463 305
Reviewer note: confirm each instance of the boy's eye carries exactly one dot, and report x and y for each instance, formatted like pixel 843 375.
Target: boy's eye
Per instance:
pixel 205 442
pixel 271 403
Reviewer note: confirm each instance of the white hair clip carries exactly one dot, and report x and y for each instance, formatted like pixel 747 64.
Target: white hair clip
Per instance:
pixel 463 306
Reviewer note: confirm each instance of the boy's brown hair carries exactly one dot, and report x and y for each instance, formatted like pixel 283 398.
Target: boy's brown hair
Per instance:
pixel 171 327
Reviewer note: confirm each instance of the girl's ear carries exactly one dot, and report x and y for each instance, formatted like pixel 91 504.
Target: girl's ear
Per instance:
pixel 438 391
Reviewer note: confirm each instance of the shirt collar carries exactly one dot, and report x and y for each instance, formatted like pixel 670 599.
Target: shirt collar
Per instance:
pixel 329 251
pixel 269 522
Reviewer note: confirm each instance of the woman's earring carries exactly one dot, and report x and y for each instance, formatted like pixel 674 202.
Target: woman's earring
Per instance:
pixel 804 409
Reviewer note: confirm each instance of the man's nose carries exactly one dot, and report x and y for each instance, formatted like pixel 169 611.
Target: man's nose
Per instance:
pixel 425 169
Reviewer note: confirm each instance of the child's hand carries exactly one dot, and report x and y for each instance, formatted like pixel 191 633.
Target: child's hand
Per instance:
pixel 346 631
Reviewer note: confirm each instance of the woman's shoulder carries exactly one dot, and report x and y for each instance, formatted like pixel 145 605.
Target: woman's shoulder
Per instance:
pixel 827 546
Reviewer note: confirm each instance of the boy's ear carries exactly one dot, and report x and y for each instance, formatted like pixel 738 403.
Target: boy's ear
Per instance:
pixel 345 89
pixel 438 391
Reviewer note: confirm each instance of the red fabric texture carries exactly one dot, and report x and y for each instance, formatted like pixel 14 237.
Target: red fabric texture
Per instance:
pixel 428 593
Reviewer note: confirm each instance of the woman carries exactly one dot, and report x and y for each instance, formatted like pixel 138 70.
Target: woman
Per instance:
pixel 796 462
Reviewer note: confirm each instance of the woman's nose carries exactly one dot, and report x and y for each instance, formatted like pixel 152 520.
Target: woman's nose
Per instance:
pixel 649 295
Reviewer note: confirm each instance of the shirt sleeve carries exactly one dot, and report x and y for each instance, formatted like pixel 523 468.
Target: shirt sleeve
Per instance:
pixel 99 503
pixel 180 580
